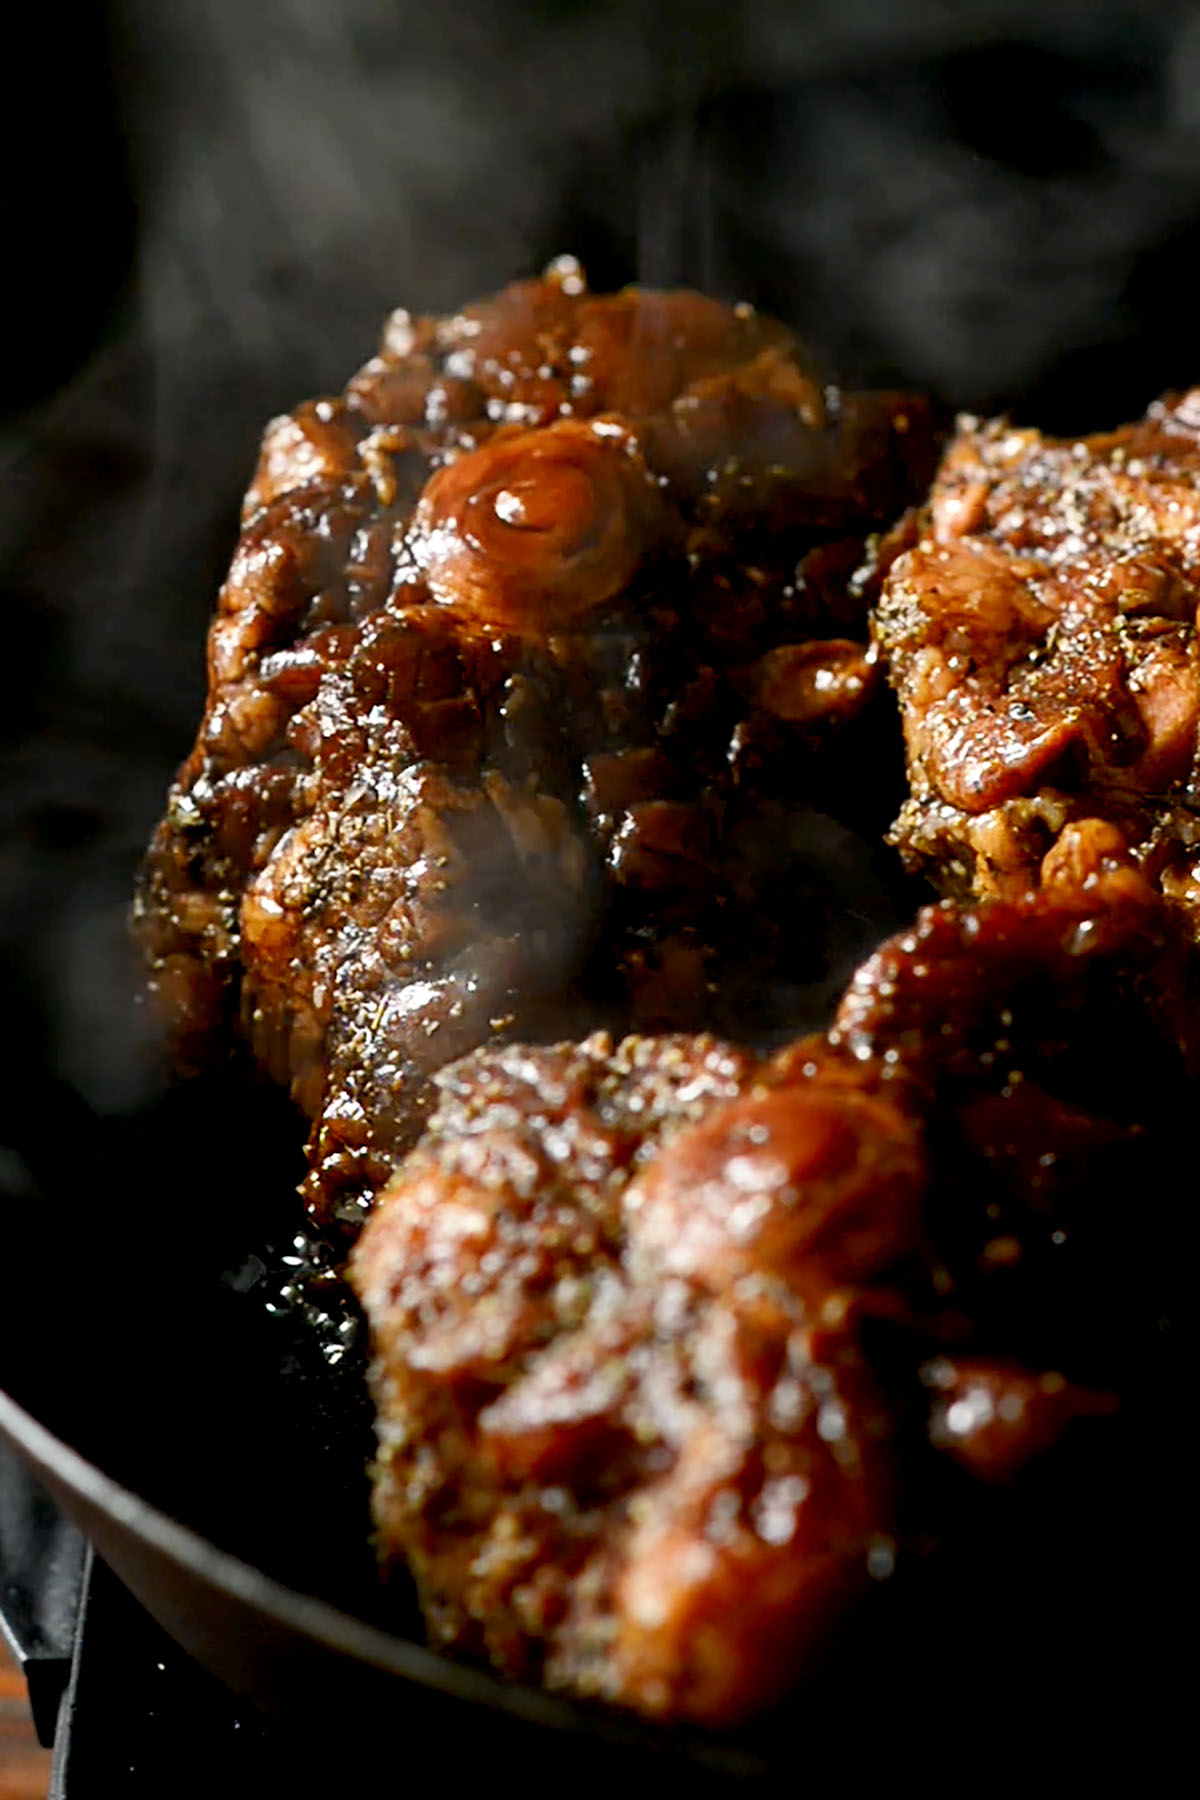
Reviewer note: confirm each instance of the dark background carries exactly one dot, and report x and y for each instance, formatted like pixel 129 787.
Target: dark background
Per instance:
pixel 211 204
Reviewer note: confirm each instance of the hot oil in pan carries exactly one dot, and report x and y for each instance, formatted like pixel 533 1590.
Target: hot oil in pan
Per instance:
pixel 288 1395
pixel 180 1343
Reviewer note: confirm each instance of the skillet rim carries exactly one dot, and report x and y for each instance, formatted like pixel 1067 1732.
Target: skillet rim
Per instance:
pixel 326 1627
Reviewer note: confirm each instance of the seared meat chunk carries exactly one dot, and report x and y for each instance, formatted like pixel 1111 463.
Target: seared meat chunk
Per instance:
pixel 619 1445
pixel 517 693
pixel 1050 1046
pixel 675 1346
pixel 1041 636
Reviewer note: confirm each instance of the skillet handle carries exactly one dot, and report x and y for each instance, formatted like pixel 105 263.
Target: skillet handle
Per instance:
pixel 41 1580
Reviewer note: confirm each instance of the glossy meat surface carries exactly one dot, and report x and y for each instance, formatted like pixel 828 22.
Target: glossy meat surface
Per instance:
pixel 518 691
pixel 618 1445
pixel 1041 636
pixel 676 1349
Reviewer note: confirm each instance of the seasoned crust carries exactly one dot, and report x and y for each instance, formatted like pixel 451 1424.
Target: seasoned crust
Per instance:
pixel 517 692
pixel 595 1437
pixel 1041 637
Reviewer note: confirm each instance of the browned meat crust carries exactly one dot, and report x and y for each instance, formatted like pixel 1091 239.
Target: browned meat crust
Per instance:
pixel 669 1340
pixel 1042 640
pixel 515 687
pixel 618 1447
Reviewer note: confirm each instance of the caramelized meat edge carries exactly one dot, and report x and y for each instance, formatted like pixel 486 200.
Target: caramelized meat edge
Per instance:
pixel 1041 636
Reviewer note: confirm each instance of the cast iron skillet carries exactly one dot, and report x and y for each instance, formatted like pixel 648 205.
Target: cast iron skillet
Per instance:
pixel 170 1381
pixel 132 1319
